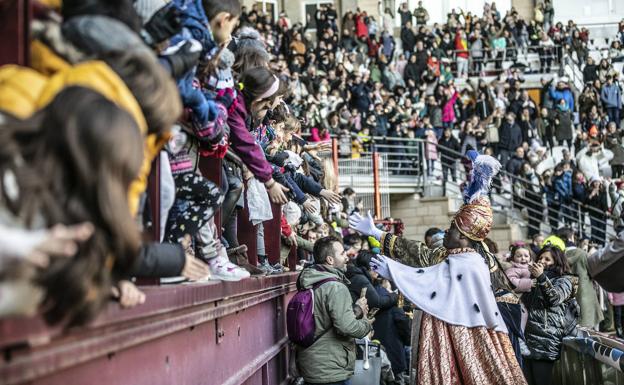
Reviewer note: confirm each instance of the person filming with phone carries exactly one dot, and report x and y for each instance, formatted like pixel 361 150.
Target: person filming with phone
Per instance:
pixel 391 326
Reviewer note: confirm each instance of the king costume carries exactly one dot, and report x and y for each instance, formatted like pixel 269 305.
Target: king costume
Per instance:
pixel 463 336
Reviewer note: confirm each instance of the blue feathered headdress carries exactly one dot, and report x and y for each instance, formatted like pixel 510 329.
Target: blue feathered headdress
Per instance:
pixel 484 168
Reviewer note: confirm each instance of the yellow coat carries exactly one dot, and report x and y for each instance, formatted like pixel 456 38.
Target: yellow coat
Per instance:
pixel 20 88
pixel 95 75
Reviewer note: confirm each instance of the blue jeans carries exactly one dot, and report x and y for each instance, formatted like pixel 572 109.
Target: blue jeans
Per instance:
pixel 614 115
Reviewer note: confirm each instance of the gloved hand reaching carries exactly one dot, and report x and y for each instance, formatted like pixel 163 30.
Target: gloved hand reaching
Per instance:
pixel 184 58
pixel 380 266
pixel 365 225
pixel 165 23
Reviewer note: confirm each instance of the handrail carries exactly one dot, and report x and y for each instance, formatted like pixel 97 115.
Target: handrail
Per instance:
pixel 543 52
pixel 567 212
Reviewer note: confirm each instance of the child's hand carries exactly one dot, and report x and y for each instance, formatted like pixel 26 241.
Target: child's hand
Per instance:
pixel 309 207
pixel 331 196
pixel 128 294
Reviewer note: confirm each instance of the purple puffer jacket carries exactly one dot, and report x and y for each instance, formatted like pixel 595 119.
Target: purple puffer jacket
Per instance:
pixel 244 144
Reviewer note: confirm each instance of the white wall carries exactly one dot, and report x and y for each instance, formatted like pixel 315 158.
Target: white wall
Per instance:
pixel 440 8
pixel 589 11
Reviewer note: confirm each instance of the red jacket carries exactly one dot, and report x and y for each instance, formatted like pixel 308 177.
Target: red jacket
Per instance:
pixel 361 30
pixel 286 229
pixel 461 46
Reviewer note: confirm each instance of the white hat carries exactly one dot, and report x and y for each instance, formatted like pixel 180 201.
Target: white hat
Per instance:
pixel 292 212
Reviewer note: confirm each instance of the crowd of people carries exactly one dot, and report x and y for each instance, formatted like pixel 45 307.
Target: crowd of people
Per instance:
pixel 115 89
pixel 561 149
pixel 118 88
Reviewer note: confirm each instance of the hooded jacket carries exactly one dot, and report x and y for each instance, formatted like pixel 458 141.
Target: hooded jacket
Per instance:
pixel 557 94
pixel 553 314
pixel 332 357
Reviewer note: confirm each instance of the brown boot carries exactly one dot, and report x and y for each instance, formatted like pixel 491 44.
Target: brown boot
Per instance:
pixel 238 256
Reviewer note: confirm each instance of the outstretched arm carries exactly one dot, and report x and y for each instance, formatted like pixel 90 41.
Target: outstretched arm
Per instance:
pixel 412 253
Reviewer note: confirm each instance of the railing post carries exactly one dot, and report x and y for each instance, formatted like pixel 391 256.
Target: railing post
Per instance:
pixel 512 200
pixel 15 19
pixel 292 258
pixel 272 235
pixel 580 221
pixel 247 232
pixel 422 160
pixel 335 155
pixel 153 190
pixel 376 189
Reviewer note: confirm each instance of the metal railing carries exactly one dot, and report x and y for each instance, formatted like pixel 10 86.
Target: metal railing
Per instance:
pixel 550 56
pixel 407 162
pixel 358 174
pixel 589 358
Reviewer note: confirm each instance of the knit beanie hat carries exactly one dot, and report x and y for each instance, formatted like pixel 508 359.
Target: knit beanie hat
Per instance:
pixel 147 8
pixel 223 78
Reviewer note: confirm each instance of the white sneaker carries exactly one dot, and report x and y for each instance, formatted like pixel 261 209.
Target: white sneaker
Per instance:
pixel 221 269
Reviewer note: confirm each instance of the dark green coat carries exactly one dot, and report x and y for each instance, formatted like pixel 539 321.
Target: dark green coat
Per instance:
pixel 591 313
pixel 332 357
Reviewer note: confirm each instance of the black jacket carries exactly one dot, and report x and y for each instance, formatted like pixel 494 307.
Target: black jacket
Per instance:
pixel 448 149
pixel 159 260
pixel 553 314
pixel 408 39
pixel 510 136
pixel 590 73
pixel 393 329
pixel 361 279
pixel 514 164
pixel 563 129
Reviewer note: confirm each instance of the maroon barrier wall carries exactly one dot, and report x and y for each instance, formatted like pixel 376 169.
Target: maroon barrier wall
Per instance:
pixel 14 16
pixel 215 333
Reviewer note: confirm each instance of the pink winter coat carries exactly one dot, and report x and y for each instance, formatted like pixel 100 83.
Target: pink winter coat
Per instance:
pixel 431 149
pixel 616 299
pixel 317 136
pixel 448 113
pixel 520 276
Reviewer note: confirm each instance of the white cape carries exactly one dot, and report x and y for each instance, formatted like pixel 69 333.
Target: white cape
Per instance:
pixel 457 291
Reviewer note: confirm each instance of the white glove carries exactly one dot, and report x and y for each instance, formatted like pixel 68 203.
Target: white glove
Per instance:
pixel 380 266
pixel 365 225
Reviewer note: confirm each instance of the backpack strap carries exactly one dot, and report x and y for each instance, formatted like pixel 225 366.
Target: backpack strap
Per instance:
pixel 321 282
pixel 314 287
